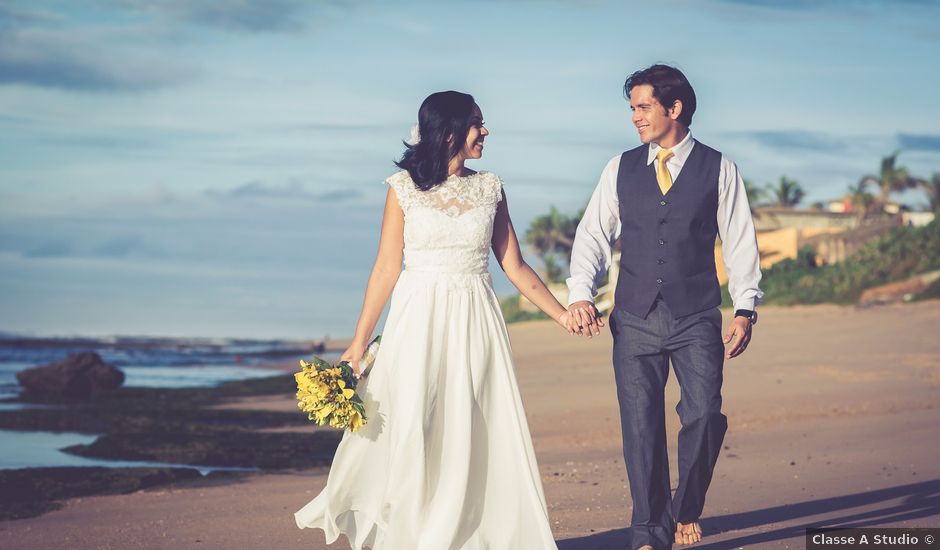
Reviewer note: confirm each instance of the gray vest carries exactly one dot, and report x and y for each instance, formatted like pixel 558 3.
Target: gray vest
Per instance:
pixel 667 242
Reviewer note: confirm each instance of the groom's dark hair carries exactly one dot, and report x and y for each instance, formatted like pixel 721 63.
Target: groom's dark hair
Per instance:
pixel 669 85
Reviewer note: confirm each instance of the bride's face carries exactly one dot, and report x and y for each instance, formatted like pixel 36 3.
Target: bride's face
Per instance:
pixel 473 148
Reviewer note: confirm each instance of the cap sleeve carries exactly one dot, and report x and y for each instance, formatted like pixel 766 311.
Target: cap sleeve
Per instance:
pixel 494 188
pixel 404 188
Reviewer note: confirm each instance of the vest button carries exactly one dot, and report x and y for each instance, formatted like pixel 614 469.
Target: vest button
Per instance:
pixel 659 281
pixel 660 261
pixel 663 203
pixel 661 242
pixel 662 221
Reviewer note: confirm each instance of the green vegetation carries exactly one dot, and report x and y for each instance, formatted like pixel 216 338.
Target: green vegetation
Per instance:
pixel 931 188
pixel 787 193
pixel 891 178
pixel 551 236
pixel 898 255
pixel 512 313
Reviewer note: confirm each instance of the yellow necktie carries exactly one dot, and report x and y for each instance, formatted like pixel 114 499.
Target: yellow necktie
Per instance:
pixel 662 173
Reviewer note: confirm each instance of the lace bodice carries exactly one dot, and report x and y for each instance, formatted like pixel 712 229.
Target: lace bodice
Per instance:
pixel 448 228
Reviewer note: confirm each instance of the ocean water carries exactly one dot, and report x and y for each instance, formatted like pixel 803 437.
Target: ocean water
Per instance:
pixel 41 449
pixel 155 362
pixel 146 362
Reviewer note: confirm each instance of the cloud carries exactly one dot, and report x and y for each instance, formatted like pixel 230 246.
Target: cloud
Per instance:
pixel 52 249
pixel 919 142
pixel 113 142
pixel 294 189
pixel 910 16
pixel 11 17
pixel 792 5
pixel 93 62
pixel 795 141
pixel 240 15
pixel 119 247
pixel 347 129
pixel 234 15
pixel 51 51
pixel 291 190
pixel 133 45
pixel 871 6
pixel 15 119
pixel 338 195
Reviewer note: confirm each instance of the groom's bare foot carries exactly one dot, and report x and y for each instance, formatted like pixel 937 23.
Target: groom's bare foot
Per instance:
pixel 688 533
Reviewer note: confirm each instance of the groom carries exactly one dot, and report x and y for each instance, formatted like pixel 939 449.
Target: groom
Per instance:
pixel 667 200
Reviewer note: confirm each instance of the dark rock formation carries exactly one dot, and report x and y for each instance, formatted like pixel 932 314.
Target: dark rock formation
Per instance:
pixel 79 376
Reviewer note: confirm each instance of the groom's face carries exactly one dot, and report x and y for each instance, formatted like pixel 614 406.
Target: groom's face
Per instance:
pixel 649 116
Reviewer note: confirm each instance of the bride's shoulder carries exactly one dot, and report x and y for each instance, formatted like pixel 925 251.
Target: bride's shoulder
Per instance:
pixel 492 185
pixel 490 177
pixel 399 178
pixel 401 182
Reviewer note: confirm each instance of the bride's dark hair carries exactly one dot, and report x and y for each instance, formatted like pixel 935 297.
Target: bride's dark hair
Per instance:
pixel 442 114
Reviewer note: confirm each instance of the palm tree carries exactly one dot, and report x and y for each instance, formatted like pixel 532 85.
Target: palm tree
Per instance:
pixel 552 236
pixel 787 193
pixel 755 196
pixel 932 188
pixel 862 201
pixel 554 272
pixel 891 179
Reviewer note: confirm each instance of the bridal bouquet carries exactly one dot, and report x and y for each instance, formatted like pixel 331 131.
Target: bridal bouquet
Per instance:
pixel 327 393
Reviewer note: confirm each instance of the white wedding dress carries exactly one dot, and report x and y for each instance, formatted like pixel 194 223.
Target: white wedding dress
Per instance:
pixel 445 461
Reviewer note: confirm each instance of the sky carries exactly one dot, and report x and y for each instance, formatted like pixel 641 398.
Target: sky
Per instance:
pixel 214 167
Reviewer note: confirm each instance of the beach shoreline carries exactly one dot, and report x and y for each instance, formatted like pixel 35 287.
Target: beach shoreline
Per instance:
pixel 828 413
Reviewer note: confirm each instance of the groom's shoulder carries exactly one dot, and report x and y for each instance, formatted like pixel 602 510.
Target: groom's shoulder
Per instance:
pixel 708 149
pixel 639 151
pixel 630 156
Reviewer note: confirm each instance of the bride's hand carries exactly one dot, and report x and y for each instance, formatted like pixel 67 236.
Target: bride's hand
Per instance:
pixel 353 355
pixel 567 322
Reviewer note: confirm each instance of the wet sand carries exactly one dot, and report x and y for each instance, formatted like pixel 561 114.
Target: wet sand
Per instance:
pixel 833 420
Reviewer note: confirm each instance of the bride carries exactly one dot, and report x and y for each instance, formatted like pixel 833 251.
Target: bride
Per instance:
pixel 445 460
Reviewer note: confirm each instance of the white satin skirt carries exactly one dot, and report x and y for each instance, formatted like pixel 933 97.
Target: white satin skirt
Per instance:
pixel 445 460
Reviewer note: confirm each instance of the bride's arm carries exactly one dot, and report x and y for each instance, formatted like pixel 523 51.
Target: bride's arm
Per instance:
pixel 523 277
pixel 385 273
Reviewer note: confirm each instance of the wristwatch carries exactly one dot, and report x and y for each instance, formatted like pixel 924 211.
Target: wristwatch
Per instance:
pixel 749 313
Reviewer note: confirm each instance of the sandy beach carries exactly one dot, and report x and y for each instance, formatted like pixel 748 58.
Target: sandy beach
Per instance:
pixel 833 420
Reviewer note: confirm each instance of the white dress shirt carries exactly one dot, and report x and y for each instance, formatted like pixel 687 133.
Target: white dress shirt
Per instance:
pixel 600 227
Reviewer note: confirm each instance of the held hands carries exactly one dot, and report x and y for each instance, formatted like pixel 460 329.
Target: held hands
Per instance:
pixel 740 333
pixel 583 319
pixel 353 355
pixel 569 322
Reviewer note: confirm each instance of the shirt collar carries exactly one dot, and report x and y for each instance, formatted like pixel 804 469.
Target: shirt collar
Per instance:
pixel 680 151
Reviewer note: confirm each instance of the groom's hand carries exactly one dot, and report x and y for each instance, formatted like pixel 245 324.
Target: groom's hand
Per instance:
pixel 586 320
pixel 739 334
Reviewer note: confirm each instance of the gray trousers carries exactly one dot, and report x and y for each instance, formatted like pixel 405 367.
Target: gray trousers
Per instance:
pixel 642 350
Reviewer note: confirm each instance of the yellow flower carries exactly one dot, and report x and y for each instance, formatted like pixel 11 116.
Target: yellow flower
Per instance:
pixel 344 391
pixel 355 421
pixel 304 383
pixel 323 393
